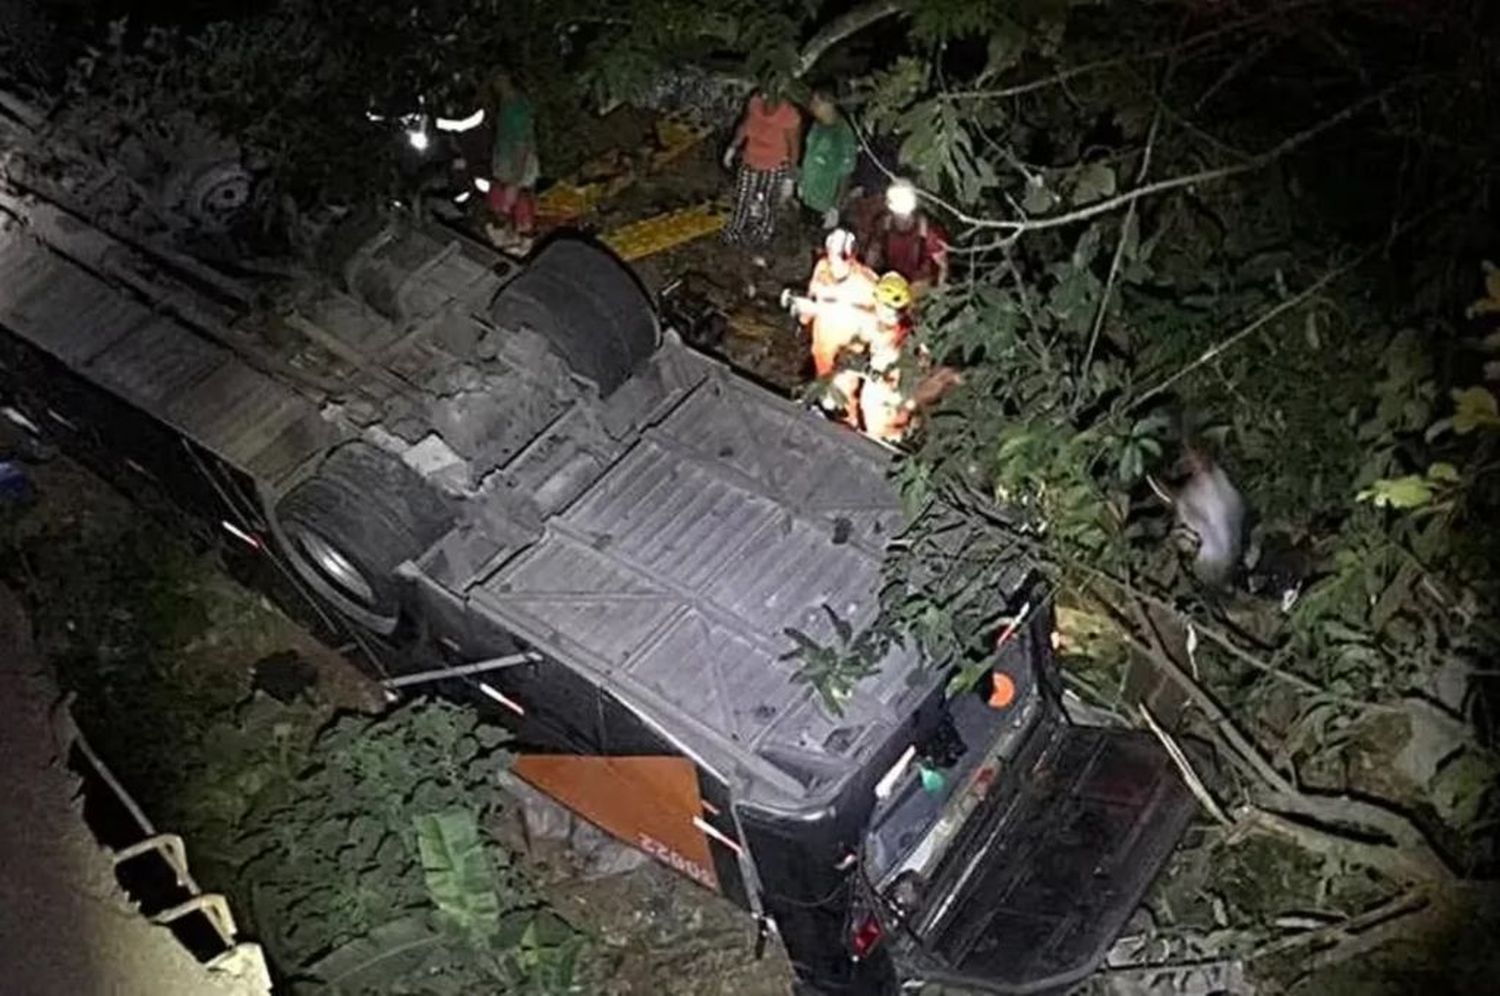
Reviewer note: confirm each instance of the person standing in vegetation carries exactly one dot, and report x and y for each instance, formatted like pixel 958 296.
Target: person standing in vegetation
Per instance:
pixel 828 158
pixel 514 166
pixel 768 142
pixel 910 242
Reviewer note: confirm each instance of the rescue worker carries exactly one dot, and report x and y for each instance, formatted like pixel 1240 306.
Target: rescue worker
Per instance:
pixel 514 166
pixel 828 158
pixel 885 411
pixel 1211 514
pixel 908 241
pixel 840 309
pixel 768 144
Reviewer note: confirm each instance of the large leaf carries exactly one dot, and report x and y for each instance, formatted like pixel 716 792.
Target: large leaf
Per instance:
pixel 1475 408
pixel 389 951
pixel 1410 491
pixel 457 870
pixel 1094 182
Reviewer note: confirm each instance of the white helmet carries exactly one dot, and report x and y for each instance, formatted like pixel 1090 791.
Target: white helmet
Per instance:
pixel 839 244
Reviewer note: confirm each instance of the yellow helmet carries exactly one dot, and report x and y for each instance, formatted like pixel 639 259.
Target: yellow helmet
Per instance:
pixel 893 291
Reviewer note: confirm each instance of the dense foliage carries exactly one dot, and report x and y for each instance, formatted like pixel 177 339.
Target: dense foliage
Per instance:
pixel 1258 233
pixel 372 870
pixel 360 851
pixel 1254 228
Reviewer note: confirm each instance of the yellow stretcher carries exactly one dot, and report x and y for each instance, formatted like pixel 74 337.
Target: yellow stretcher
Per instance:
pixel 649 236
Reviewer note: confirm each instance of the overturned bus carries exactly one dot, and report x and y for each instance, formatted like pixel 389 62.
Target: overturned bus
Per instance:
pixel 512 484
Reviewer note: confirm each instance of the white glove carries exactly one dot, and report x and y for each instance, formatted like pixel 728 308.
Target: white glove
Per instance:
pixel 795 305
pixel 788 188
pixel 831 219
pixel 729 157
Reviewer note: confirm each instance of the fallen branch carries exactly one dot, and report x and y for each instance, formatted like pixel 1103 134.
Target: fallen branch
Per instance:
pixel 1242 750
pixel 1360 938
pixel 1409 903
pixel 1356 830
pixel 1337 825
pixel 1416 854
pixel 1185 768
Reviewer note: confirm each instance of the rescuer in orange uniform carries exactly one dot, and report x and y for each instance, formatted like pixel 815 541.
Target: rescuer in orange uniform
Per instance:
pixel 840 308
pixel 884 409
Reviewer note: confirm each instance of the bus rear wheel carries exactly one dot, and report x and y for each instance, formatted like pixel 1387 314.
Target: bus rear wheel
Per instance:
pixel 352 523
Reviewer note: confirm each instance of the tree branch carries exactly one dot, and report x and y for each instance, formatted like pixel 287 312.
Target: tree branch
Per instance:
pixel 841 27
pixel 1400 906
pixel 1270 315
pixel 1187 44
pixel 1340 825
pixel 1409 858
pixel 1202 176
pixel 1130 220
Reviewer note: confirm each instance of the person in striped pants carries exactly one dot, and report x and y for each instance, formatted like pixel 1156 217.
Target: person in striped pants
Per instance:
pixel 768 143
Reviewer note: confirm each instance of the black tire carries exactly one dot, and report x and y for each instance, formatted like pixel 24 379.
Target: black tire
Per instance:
pixel 374 513
pixel 588 306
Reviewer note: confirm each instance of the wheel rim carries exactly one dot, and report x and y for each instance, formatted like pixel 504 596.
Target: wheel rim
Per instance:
pixel 336 567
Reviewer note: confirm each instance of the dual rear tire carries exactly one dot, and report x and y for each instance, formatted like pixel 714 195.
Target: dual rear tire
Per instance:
pixel 348 527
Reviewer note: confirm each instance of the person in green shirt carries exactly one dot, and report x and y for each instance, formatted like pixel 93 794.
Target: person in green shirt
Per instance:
pixel 828 157
pixel 514 166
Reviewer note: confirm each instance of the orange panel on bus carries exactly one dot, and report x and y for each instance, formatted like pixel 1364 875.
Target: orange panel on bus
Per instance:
pixel 648 802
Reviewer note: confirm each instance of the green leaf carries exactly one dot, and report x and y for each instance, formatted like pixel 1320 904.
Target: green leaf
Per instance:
pixel 1410 491
pixel 1038 199
pixel 1475 408
pixel 1007 45
pixel 965 678
pixel 456 868
pixel 389 951
pixel 1462 785
pixel 1443 473
pixel 1094 182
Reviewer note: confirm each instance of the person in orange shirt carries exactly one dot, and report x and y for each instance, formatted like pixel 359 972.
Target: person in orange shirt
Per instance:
pixel 894 392
pixel 768 141
pixel 840 309
pixel 884 409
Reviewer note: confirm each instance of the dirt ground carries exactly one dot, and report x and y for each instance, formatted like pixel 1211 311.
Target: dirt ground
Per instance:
pixel 762 341
pixel 660 933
